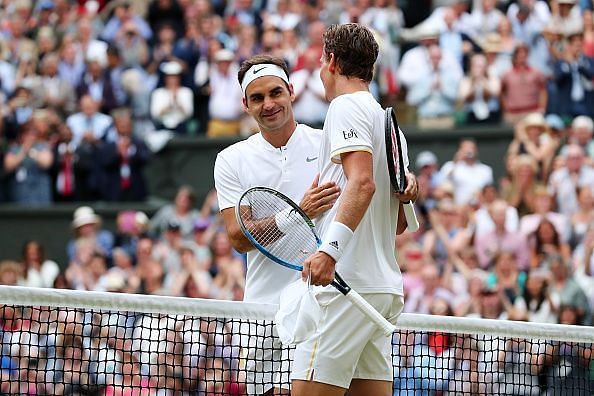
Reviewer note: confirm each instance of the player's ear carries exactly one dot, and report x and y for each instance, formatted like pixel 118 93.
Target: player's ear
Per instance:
pixel 291 92
pixel 244 103
pixel 332 63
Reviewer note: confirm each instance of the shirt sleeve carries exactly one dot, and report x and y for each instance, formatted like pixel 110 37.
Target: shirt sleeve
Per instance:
pixel 227 183
pixel 350 128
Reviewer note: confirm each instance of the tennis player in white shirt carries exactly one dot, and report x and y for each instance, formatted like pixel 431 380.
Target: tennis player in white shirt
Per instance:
pixel 282 156
pixel 348 352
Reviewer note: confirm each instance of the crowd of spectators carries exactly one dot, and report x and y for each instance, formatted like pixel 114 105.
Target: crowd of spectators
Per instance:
pixel 85 85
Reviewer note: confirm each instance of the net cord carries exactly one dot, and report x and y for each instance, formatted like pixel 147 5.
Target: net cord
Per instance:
pixel 27 296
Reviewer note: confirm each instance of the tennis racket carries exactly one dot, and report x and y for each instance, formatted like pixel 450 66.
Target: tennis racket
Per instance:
pixel 396 167
pixel 280 229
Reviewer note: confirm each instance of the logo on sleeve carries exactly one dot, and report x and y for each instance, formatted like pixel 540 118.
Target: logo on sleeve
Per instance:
pixel 351 133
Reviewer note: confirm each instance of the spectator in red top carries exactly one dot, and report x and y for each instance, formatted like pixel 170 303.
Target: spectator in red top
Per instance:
pixel 523 88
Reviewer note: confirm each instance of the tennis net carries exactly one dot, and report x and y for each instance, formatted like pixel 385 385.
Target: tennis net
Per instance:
pixel 64 342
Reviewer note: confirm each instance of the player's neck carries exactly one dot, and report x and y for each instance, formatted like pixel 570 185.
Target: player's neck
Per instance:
pixel 279 137
pixel 348 85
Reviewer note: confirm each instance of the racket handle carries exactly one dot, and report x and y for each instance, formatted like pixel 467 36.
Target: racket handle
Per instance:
pixel 411 217
pixel 381 322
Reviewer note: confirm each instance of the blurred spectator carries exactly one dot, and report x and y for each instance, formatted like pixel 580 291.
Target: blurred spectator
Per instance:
pixel 535 301
pixel 224 106
pixel 310 105
pixel 546 241
pixel 123 162
pixel 162 12
pixel 479 93
pixel 71 67
pixel 114 71
pixel 506 276
pixel 519 193
pixel 89 125
pixel 567 15
pixel 131 227
pixel 422 298
pixel 542 209
pixel 484 18
pixel 182 210
pixel 189 280
pixel 582 130
pixel 138 97
pixel 523 88
pixel 532 137
pixel 123 17
pixel 28 161
pixel 588 23
pixel 564 290
pixel 583 216
pixel 434 93
pixel 122 277
pixel 19 111
pixel 132 45
pixel 428 178
pixel 172 105
pixel 573 78
pixel 229 281
pixel 57 93
pixel 448 234
pixel 167 250
pixel 96 83
pixel 491 244
pixel 204 232
pixel 7 70
pixel 86 224
pixel 565 181
pixel 10 272
pixel 467 173
pixel 151 277
pixel 223 255
pixel 38 271
pixel 483 223
pixel 88 47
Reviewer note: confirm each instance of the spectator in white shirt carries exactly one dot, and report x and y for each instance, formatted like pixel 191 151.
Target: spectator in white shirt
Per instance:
pixel 172 105
pixel 89 124
pixel 310 104
pixel 224 106
pixel 467 173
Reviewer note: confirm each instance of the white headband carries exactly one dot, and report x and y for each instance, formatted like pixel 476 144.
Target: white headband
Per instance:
pixel 263 70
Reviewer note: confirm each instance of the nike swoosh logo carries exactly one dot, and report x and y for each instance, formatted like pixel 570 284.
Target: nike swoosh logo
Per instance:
pixel 308 159
pixel 259 70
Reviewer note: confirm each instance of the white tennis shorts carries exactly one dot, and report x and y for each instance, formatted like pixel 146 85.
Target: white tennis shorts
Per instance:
pixel 267 361
pixel 348 345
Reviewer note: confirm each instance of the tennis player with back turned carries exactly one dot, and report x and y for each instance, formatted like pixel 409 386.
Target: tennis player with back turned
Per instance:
pixel 349 352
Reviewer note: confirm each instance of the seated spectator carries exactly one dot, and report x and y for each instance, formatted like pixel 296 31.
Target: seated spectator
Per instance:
pixel 421 299
pixel 86 224
pixel 122 162
pixel 151 278
pixel 535 301
pixel 138 93
pixel 466 172
pixel 565 181
pixel 583 216
pixel 532 137
pixel 484 18
pixel 411 260
pixel 182 210
pixel 189 280
pixel 581 133
pixel 506 276
pixel 132 45
pixel 222 254
pixel 167 249
pixel 38 271
pixel 588 23
pixel 131 228
pixel 428 178
pixel 491 244
pixel 10 272
pixel 435 92
pixel 545 241
pixel 542 209
pixel 19 111
pixel 519 193
pixel 522 88
pixel 483 223
pixel 224 106
pixel 124 12
pixel 448 234
pixel 204 231
pixel 564 290
pixel 71 67
pixel 172 105
pixel 495 50
pixel 28 161
pixel 122 277
pixel 479 93
pixel 310 104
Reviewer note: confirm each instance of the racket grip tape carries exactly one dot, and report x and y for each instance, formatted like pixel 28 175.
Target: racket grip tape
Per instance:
pixel 411 217
pixel 367 309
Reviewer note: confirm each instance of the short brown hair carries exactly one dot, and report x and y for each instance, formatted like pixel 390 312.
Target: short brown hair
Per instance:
pixel 354 49
pixel 258 60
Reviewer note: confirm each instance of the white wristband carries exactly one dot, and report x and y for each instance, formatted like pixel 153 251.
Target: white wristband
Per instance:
pixel 336 240
pixel 284 220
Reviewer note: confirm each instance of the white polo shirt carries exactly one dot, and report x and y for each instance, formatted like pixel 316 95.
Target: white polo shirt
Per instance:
pixel 290 169
pixel 355 122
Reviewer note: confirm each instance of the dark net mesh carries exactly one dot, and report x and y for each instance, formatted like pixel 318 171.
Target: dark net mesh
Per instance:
pixel 64 351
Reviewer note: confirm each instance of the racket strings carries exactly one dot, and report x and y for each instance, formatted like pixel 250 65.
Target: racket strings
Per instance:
pixel 259 210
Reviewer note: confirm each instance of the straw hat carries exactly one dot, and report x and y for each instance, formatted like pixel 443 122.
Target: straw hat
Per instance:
pixel 492 43
pixel 535 119
pixel 83 216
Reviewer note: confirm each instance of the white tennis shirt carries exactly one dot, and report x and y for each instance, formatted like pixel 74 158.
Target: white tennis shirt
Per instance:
pixel 355 122
pixel 290 169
